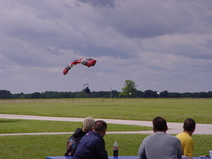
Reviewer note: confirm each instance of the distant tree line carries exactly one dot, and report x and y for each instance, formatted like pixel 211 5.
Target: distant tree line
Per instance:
pixel 5 94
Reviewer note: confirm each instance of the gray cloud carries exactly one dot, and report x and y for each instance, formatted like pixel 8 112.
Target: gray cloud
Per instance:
pixel 102 3
pixel 161 45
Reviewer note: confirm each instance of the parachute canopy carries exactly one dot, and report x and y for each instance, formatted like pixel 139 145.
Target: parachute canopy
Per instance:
pixel 84 61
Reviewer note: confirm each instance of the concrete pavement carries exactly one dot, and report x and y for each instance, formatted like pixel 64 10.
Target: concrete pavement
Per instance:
pixel 174 128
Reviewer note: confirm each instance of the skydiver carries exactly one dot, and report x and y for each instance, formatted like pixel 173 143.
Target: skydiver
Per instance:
pixel 87 90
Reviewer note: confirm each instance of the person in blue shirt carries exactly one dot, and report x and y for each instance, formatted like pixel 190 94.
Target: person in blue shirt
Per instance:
pixel 74 139
pixel 92 145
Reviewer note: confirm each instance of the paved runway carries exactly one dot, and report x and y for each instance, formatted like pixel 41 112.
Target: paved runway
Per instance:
pixel 174 128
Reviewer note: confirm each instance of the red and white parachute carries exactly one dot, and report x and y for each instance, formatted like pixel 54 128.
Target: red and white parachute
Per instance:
pixel 84 61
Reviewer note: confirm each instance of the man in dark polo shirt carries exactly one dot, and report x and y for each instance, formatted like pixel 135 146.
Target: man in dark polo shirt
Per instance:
pixel 92 145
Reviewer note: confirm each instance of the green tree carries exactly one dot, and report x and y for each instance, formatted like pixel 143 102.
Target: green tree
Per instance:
pixel 35 95
pixel 150 94
pixel 129 89
pixel 5 94
pixel 164 94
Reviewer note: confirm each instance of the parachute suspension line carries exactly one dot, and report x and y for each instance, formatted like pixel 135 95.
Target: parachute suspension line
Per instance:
pixel 86 84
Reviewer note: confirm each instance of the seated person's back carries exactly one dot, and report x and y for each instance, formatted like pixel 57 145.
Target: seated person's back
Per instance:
pixel 160 145
pixel 92 145
pixel 74 139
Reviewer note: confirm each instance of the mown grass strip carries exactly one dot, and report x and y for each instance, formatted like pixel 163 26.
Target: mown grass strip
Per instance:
pixel 31 126
pixel 173 110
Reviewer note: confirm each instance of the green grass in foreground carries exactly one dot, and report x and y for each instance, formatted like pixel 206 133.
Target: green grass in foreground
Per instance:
pixel 40 146
pixel 30 126
pixel 173 110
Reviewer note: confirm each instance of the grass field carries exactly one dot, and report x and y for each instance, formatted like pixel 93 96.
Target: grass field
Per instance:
pixel 33 126
pixel 173 110
pixel 39 146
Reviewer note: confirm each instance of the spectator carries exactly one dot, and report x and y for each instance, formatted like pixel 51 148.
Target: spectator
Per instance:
pixel 187 142
pixel 74 139
pixel 92 145
pixel 160 145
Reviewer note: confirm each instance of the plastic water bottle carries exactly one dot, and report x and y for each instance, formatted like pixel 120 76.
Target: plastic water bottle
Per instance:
pixel 115 148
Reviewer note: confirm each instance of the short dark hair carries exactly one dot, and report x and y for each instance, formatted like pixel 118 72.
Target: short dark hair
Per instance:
pixel 189 124
pixel 100 126
pixel 159 124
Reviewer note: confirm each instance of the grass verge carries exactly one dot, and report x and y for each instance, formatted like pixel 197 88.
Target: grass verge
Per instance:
pixel 173 110
pixel 40 146
pixel 31 126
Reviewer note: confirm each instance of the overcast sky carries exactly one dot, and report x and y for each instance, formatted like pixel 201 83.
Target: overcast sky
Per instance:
pixel 158 44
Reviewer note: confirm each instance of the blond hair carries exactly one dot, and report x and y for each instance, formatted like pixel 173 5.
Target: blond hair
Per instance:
pixel 88 123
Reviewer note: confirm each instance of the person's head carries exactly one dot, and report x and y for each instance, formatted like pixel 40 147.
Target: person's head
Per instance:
pixel 189 125
pixel 159 124
pixel 87 124
pixel 100 126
